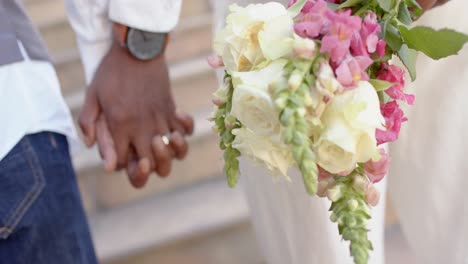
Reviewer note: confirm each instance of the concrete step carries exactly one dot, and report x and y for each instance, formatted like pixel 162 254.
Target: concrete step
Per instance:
pixel 157 222
pixel 233 245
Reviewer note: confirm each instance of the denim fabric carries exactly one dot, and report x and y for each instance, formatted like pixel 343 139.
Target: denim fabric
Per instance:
pixel 42 220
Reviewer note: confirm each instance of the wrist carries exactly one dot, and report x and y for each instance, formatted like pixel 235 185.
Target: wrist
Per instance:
pixel 142 45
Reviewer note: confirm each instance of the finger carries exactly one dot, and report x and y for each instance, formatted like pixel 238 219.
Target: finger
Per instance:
pixel 176 125
pixel 179 145
pixel 88 116
pixel 132 164
pixel 136 178
pixel 187 121
pixel 106 145
pixel 163 156
pixel 145 153
pixel 122 147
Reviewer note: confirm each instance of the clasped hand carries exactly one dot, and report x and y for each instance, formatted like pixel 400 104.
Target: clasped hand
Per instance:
pixel 130 112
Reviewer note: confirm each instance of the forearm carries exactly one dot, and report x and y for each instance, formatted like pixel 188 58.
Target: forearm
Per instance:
pixel 92 23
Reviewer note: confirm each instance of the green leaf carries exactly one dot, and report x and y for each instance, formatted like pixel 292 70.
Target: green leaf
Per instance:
pixel 436 44
pixel 380 85
pixel 414 8
pixel 350 3
pixel 386 5
pixel 404 15
pixel 393 37
pixel 333 6
pixel 408 57
pixel 295 9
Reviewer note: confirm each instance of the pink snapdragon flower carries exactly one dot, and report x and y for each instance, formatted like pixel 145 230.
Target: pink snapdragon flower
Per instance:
pixel 394 116
pixel 341 29
pixel 313 19
pixel 365 42
pixel 352 70
pixel 394 74
pixel 376 170
pixel 381 45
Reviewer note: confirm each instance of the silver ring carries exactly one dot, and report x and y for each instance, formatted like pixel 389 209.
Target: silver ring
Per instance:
pixel 166 138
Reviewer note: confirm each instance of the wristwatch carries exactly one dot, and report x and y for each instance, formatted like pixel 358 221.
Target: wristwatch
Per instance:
pixel 143 45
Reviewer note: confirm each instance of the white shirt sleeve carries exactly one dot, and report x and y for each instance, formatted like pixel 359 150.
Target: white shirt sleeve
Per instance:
pixel 92 23
pixel 148 15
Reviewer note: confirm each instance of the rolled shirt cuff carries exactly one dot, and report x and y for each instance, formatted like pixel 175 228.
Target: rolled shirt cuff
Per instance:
pixel 147 15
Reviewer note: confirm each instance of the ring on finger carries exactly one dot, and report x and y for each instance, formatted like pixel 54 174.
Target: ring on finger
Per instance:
pixel 166 138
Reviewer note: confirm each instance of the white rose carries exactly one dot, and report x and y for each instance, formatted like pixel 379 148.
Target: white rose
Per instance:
pixel 254 35
pixel 350 121
pixel 272 154
pixel 252 105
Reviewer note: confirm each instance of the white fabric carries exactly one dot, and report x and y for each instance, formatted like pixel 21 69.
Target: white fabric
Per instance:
pixel 428 182
pixel 91 20
pixel 294 228
pixel 30 102
pixel 428 179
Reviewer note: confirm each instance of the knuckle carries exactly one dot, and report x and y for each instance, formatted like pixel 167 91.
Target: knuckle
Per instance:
pixel 119 116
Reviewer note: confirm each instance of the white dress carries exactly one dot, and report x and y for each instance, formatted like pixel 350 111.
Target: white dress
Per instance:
pixel 426 177
pixel 428 180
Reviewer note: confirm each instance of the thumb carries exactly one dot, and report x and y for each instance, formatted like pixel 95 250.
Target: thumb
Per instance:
pixel 106 145
pixel 88 117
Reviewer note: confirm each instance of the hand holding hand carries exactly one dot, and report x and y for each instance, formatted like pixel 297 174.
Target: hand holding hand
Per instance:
pixel 128 108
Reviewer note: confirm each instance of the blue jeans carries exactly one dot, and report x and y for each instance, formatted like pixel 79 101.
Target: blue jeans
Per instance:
pixel 42 220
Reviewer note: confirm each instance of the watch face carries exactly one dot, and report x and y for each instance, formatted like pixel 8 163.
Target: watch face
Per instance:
pixel 145 45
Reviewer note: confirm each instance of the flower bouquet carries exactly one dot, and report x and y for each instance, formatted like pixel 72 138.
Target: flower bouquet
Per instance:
pixel 316 86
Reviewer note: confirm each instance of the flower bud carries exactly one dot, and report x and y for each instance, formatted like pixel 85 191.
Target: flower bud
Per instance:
pixel 373 195
pixel 351 221
pixel 360 183
pixel 353 204
pixel 230 121
pixel 281 101
pixel 215 62
pixel 295 80
pixel 288 135
pixel 301 112
pixel 218 101
pixel 335 193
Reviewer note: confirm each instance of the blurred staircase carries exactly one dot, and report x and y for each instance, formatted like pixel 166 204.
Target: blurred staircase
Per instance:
pixel 191 217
